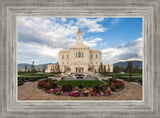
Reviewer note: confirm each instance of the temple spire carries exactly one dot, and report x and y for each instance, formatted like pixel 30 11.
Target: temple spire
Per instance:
pixel 79 36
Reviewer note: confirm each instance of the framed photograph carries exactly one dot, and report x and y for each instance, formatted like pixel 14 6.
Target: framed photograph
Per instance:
pixel 94 65
pixel 80 58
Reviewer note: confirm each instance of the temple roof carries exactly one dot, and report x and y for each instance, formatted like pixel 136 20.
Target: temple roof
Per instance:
pixel 79 32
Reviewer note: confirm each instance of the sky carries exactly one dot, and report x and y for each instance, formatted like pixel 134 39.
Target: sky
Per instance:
pixel 41 38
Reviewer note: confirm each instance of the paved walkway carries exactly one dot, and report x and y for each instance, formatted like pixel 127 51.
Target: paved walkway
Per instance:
pixel 31 92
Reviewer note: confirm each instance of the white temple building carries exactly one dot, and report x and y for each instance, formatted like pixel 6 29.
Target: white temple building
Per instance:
pixel 79 58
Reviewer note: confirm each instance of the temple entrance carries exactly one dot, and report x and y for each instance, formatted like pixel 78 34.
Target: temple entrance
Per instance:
pixel 79 69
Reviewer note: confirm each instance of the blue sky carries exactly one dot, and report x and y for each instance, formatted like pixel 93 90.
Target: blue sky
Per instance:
pixel 41 38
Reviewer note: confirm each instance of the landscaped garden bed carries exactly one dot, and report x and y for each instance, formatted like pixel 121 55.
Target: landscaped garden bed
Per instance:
pixel 114 84
pixel 78 88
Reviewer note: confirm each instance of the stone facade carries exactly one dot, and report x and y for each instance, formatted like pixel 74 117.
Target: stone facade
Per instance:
pixel 80 58
pixel 52 68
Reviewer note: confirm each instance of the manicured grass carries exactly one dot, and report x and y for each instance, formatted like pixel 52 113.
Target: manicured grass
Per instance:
pixel 122 75
pixel 35 74
pixel 75 83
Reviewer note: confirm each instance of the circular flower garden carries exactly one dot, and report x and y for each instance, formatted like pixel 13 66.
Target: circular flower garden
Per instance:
pixel 51 87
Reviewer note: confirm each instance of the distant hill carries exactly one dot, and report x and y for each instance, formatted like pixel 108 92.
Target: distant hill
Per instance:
pixel 124 64
pixel 40 67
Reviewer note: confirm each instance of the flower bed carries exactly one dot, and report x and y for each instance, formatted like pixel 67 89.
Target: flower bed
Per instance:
pixel 115 85
pixel 69 90
pixel 78 92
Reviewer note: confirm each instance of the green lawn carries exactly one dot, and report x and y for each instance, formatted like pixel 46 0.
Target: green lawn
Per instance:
pixel 75 83
pixel 134 75
pixel 35 75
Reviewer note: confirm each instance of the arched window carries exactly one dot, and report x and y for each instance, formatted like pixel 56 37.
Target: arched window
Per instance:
pixel 79 54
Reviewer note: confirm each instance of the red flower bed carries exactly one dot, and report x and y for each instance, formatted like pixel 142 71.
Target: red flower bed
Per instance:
pixel 116 84
pixel 74 92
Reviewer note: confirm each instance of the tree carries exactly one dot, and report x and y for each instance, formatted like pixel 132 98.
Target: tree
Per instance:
pixel 116 69
pixel 101 69
pixel 58 69
pixel 51 70
pixel 122 69
pixel 32 68
pixel 95 71
pixel 104 69
pixel 136 69
pixel 44 67
pixel 108 68
pixel 130 69
pixel 25 68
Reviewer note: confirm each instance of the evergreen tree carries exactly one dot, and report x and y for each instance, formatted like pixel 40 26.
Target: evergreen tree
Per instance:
pixel 104 69
pixel 25 68
pixel 108 68
pixel 130 69
pixel 116 69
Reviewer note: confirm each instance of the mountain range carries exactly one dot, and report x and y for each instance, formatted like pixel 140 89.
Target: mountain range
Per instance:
pixel 125 64
pixel 40 67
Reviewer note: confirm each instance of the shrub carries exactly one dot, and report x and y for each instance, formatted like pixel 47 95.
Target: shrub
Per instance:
pixel 113 88
pixel 53 85
pixel 80 86
pixel 20 82
pixel 47 86
pixel 97 89
pixel 103 88
pixel 109 83
pixel 43 84
pixel 67 87
pixel 113 80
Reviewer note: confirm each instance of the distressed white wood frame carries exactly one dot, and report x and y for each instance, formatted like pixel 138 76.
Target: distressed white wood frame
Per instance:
pixel 11 107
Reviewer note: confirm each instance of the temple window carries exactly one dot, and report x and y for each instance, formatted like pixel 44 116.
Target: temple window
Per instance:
pixel 62 56
pixel 76 54
pixel 91 56
pixel 79 54
pixel 82 54
pixel 67 56
pixel 96 55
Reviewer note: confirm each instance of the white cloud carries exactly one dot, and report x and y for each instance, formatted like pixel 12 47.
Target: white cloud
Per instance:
pixel 92 24
pixel 93 43
pixel 102 43
pixel 46 32
pixel 45 37
pixel 37 51
pixel 128 51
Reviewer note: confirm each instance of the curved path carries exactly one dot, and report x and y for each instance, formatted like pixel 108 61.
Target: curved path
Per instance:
pixel 31 92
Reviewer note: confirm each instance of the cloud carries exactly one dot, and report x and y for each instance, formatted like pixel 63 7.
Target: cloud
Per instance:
pixel 92 24
pixel 102 43
pixel 93 43
pixel 34 51
pixel 47 32
pixel 128 51
pixel 115 21
pixel 42 37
